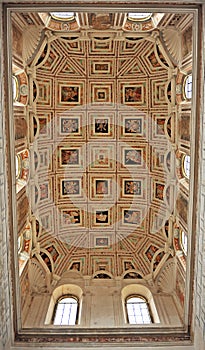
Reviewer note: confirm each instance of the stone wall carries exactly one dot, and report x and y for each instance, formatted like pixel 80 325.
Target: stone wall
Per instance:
pixel 102 305
pixel 5 315
pixel 200 237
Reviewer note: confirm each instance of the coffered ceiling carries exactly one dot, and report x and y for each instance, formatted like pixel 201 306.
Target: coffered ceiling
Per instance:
pixel 103 126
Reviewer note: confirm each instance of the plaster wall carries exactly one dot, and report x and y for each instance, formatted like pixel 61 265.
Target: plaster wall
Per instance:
pixel 101 306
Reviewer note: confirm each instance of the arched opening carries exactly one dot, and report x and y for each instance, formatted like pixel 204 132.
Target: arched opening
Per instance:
pixel 184 242
pixel 15 88
pixel 65 306
pixel 188 87
pixel 66 311
pixel 62 16
pixel 22 168
pixel 186 166
pixel 139 16
pixel 137 309
pixel 138 305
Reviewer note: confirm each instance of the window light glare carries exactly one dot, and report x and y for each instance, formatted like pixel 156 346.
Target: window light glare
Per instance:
pixel 19 243
pixel 187 166
pixel 184 242
pixel 188 87
pixel 139 16
pixel 14 87
pixel 138 311
pixel 66 312
pixel 17 167
pixel 62 15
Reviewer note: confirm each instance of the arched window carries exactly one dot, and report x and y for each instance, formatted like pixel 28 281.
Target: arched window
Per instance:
pixel 186 166
pixel 184 242
pixel 19 87
pixel 66 311
pixel 65 305
pixel 24 246
pixel 138 305
pixel 138 310
pixel 18 166
pixel 62 16
pixel 139 16
pixel 22 169
pixel 188 87
pixel 14 87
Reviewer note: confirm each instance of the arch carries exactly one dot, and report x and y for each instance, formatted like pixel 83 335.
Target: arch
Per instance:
pixel 143 292
pixel 63 16
pixel 180 244
pixel 183 239
pixel 168 159
pixel 102 274
pixel 186 166
pixel 132 273
pixel 60 292
pixel 44 55
pixel 22 165
pixel 137 309
pixel 20 88
pixel 15 88
pixel 139 16
pixel 47 260
pixel 183 167
pixel 35 90
pixel 187 87
pixel 66 311
pixel 24 246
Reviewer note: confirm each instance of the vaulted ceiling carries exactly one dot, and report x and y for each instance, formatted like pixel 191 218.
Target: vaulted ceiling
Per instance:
pixel 101 97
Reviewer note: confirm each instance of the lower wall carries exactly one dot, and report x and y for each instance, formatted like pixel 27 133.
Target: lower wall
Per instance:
pixel 102 305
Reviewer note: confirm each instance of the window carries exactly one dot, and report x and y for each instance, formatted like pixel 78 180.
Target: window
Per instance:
pixel 66 311
pixel 138 310
pixel 20 243
pixel 138 305
pixel 62 16
pixel 65 304
pixel 188 87
pixel 139 16
pixel 18 166
pixel 15 88
pixel 184 242
pixel 186 166
pixel 24 246
pixel 22 169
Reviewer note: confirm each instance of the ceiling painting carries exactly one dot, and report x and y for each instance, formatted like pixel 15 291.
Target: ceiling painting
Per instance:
pixel 102 115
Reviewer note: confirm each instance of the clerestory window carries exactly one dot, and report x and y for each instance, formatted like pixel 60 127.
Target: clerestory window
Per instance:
pixel 62 16
pixel 139 16
pixel 66 311
pixel 138 310
pixel 186 166
pixel 184 242
pixel 188 87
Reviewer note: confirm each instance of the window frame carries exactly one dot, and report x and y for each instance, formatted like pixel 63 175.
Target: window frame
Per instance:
pixel 18 165
pixel 56 307
pixel 185 84
pixel 15 85
pixel 184 249
pixel 63 19
pixel 183 166
pixel 144 301
pixel 142 19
